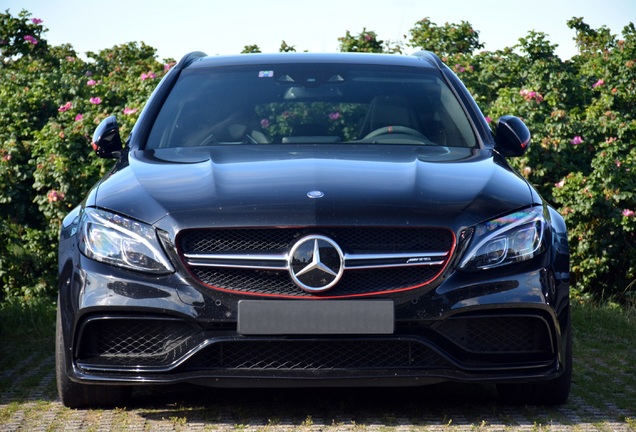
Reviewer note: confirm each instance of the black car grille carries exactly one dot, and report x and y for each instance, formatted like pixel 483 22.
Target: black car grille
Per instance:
pixel 278 283
pixel 518 334
pixel 172 345
pixel 144 342
pixel 353 240
pixel 280 239
pixel 317 355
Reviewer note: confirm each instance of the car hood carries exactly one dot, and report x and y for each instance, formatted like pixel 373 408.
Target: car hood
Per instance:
pixel 307 185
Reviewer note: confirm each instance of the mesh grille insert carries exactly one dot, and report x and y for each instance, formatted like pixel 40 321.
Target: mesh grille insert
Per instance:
pixel 135 343
pixel 504 334
pixel 317 355
pixel 140 342
pixel 352 240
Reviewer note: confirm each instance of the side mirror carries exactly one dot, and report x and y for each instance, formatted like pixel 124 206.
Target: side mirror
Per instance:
pixel 512 137
pixel 106 140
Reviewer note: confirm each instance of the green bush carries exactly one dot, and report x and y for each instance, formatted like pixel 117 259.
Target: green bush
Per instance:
pixel 580 112
pixel 581 115
pixel 50 102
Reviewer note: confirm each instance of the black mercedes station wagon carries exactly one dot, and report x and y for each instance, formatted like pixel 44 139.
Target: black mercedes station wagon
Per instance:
pixel 299 220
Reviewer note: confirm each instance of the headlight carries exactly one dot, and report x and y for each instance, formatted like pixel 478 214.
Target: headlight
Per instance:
pixel 506 240
pixel 122 242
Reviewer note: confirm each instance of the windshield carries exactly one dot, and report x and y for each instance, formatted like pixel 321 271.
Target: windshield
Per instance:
pixel 311 103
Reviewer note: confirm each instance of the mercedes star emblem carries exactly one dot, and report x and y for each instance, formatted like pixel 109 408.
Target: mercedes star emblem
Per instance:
pixel 316 263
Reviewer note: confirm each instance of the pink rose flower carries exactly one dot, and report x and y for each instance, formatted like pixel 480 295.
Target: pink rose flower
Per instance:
pixel 149 75
pixel 31 40
pixel 95 100
pixel 598 83
pixel 531 95
pixel 576 140
pixel 628 213
pixel 129 111
pixel 67 106
pixel 54 196
pixel 91 82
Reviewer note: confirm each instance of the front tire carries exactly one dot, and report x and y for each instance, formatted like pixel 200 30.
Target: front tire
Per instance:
pixel 75 395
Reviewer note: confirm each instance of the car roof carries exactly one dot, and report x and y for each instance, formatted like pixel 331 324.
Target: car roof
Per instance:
pixel 420 59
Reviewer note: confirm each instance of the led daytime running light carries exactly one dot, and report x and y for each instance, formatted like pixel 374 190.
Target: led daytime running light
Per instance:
pixel 122 242
pixel 508 239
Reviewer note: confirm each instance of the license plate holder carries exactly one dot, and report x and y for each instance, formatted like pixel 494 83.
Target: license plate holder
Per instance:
pixel 315 317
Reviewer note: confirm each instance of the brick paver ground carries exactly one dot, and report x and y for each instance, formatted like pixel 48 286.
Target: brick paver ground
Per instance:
pixel 448 407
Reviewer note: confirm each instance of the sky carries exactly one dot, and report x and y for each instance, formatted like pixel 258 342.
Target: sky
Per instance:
pixel 175 28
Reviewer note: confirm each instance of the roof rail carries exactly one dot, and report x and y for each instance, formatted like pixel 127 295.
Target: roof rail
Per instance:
pixel 187 59
pixel 430 57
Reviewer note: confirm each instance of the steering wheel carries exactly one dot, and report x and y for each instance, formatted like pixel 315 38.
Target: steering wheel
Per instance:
pixel 396 130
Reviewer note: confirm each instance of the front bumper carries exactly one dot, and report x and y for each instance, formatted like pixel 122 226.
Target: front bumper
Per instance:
pixel 126 328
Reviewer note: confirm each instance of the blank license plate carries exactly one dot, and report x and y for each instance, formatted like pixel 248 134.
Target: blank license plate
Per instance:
pixel 279 317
